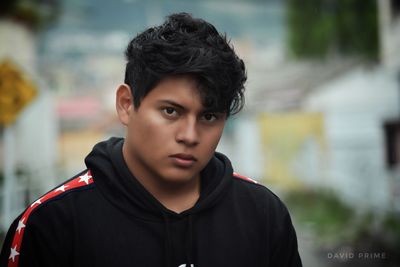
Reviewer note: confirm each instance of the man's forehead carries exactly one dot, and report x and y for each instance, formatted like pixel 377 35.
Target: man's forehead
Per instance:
pixel 183 88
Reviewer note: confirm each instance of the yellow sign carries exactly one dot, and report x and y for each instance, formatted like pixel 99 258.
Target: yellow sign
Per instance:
pixel 284 137
pixel 15 92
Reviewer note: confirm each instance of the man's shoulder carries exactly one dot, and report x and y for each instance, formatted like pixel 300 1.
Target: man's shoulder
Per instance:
pixel 246 179
pixel 252 186
pixel 49 215
pixel 60 195
pixel 259 194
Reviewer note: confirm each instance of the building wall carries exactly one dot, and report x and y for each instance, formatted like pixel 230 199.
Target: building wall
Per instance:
pixel 355 108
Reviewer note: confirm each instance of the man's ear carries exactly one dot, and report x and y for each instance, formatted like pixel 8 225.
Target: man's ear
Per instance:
pixel 124 103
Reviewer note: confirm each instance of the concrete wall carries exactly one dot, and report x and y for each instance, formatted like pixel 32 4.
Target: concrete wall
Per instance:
pixel 355 107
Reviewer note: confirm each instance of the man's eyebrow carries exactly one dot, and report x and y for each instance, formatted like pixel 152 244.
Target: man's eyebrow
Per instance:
pixel 172 103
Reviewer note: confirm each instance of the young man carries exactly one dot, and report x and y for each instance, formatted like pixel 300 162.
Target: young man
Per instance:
pixel 162 196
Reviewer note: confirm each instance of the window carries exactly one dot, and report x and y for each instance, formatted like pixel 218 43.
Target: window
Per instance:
pixel 392 138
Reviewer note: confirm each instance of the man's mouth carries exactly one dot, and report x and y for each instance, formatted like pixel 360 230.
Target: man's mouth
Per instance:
pixel 183 160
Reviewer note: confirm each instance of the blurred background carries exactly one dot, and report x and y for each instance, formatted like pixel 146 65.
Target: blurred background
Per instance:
pixel 321 126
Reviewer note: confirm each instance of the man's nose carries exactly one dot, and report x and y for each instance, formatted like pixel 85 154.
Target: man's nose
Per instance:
pixel 188 132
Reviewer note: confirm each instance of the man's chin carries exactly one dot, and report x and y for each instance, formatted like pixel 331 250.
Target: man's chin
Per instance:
pixel 179 177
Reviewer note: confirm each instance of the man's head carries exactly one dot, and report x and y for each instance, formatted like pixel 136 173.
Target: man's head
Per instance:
pixel 182 81
pixel 186 45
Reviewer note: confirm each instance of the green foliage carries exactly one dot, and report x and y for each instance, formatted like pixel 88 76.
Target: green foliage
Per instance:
pixel 317 28
pixel 378 233
pixel 391 231
pixel 322 210
pixel 335 224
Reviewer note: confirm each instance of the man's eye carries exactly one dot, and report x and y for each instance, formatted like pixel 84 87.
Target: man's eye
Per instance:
pixel 209 117
pixel 170 111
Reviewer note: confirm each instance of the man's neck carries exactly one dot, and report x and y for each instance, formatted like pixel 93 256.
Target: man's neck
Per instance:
pixel 177 198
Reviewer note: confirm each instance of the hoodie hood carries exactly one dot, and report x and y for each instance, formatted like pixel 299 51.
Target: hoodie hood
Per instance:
pixel 115 181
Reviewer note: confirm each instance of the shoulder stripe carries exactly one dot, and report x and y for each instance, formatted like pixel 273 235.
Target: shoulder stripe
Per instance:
pixel 80 181
pixel 244 178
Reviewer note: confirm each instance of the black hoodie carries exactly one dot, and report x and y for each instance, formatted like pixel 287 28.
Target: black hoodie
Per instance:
pixel 105 217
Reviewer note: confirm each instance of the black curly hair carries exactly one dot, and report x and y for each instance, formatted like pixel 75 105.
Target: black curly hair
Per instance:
pixel 187 45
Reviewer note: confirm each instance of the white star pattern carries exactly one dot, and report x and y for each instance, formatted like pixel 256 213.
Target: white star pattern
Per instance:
pixel 39 201
pixel 85 178
pixel 61 188
pixel 13 253
pixel 20 225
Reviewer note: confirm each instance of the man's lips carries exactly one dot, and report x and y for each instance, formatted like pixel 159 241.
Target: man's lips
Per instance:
pixel 184 156
pixel 183 160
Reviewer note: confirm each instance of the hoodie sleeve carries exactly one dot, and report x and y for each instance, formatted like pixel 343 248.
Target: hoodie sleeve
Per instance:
pixel 285 249
pixel 39 242
pixel 6 249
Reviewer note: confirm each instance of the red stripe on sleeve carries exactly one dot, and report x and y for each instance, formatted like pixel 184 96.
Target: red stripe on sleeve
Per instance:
pixel 244 178
pixel 79 181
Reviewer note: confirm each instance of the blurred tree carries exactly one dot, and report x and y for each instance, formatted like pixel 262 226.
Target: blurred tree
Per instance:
pixel 317 28
pixel 35 14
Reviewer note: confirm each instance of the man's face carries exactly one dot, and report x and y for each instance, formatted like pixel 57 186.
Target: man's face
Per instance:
pixel 171 136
